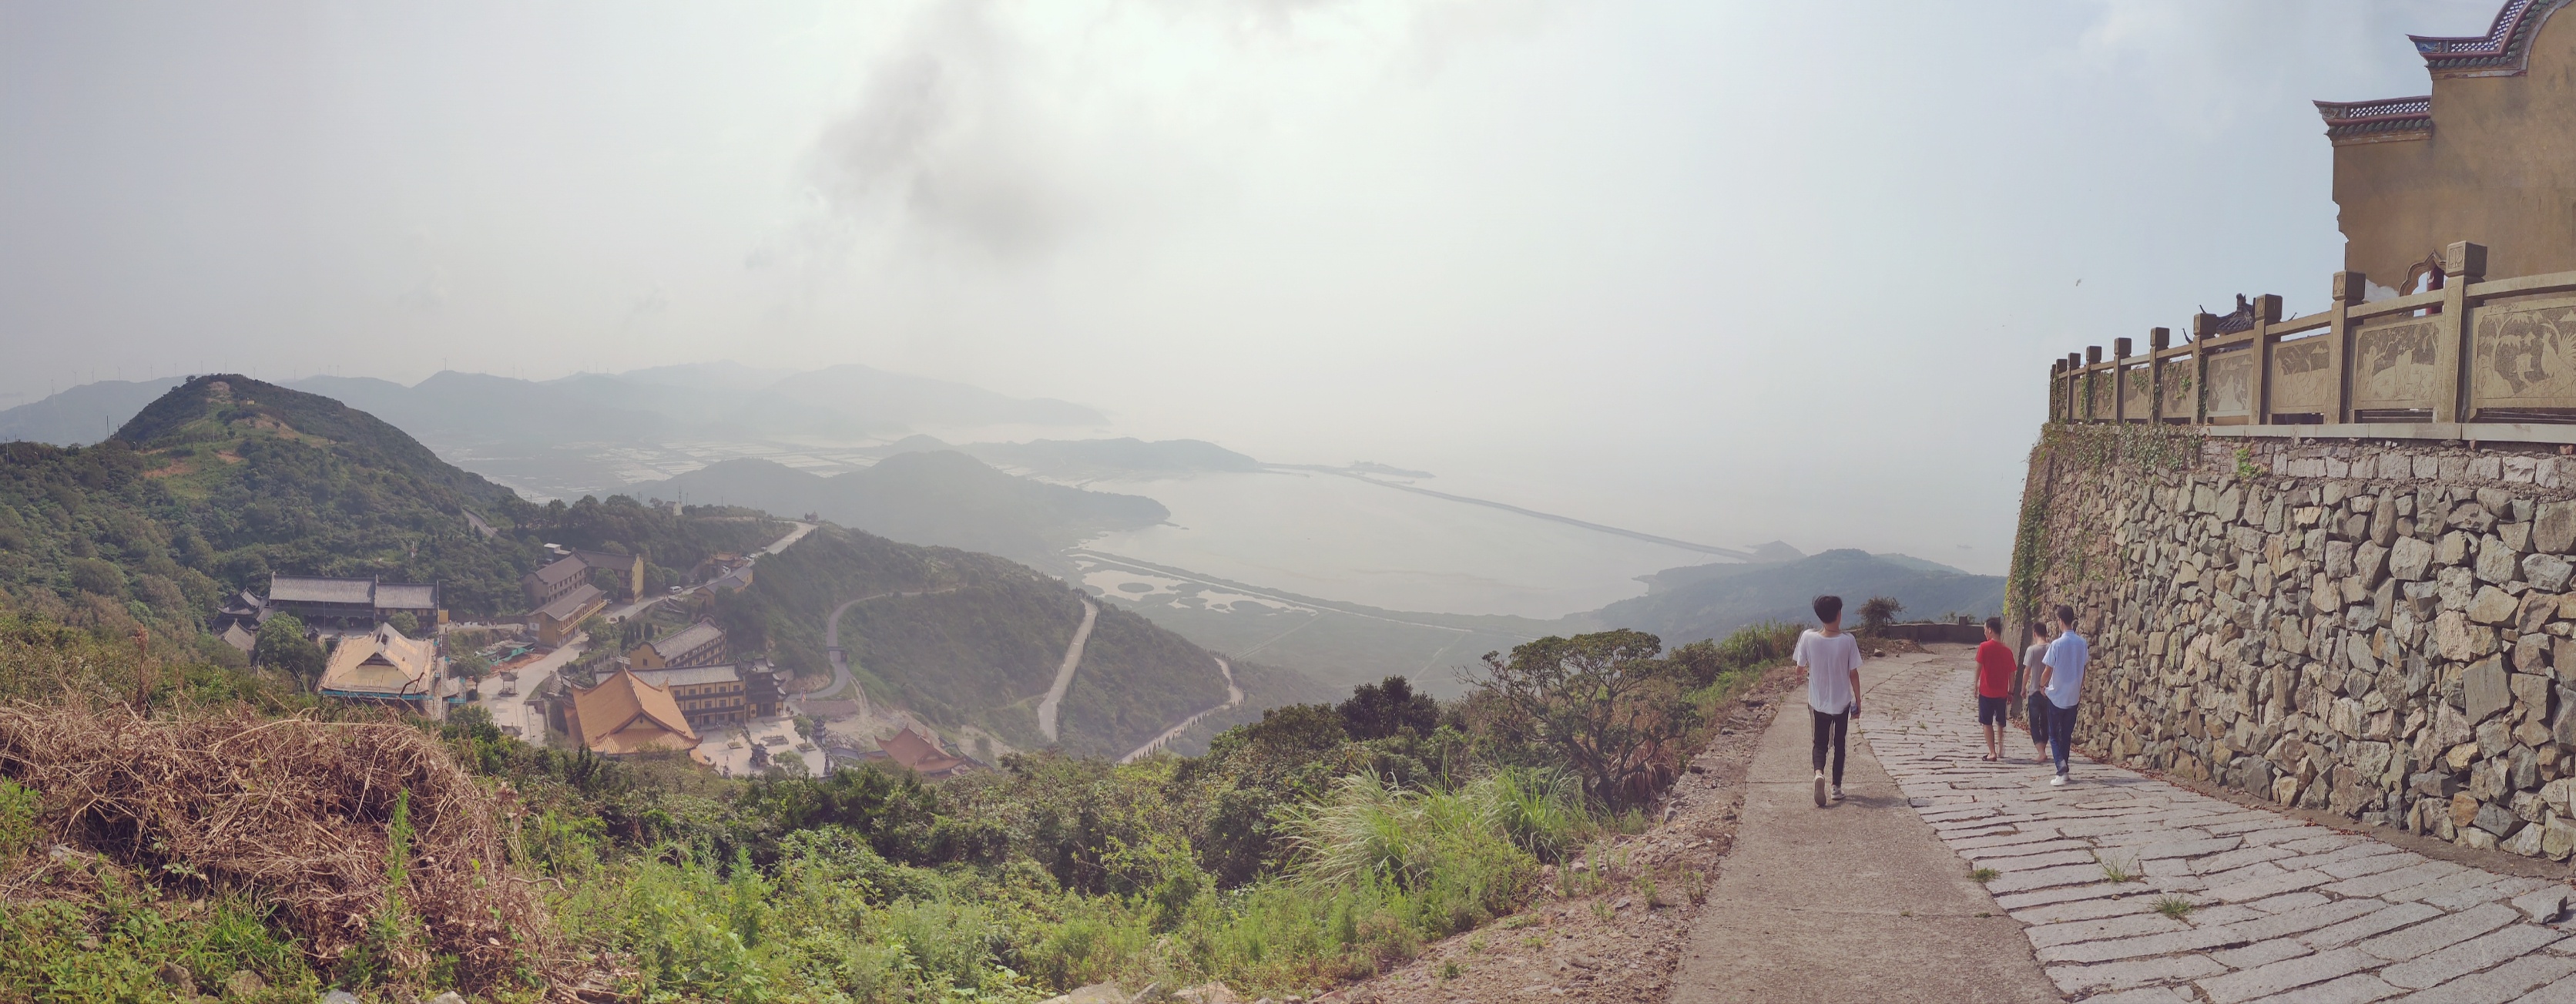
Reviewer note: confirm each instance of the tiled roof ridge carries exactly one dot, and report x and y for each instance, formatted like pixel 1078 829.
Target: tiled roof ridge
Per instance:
pixel 2506 43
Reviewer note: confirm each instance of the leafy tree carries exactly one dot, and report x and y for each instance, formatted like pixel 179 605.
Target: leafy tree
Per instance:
pixel 471 665
pixel 403 621
pixel 1379 710
pixel 283 646
pixel 1602 701
pixel 96 576
pixel 1878 613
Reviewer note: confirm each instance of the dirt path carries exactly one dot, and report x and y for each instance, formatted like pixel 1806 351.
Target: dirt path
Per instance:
pixel 1233 696
pixel 1064 673
pixel 1856 901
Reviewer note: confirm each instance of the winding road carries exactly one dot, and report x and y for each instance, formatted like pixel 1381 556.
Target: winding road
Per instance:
pixel 841 678
pixel 1064 673
pixel 1233 697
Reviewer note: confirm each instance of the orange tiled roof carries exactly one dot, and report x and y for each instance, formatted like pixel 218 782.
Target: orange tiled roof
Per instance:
pixel 627 715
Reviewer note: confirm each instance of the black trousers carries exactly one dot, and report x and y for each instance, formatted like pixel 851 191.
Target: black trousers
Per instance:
pixel 1829 732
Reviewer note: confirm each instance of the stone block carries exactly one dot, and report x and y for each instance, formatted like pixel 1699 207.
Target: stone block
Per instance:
pixel 2451 635
pixel 2409 558
pixel 2546 572
pixel 2464 809
pixel 2531 690
pixel 2493 606
pixel 2432 784
pixel 2494 738
pixel 2557 838
pixel 2553 528
pixel 2497 562
pixel 2531 653
pixel 2475 839
pixel 2558 793
pixel 2526 841
pixel 2453 549
pixel 2495 819
pixel 2486 689
pixel 2338 559
pixel 2515 535
pixel 2460 756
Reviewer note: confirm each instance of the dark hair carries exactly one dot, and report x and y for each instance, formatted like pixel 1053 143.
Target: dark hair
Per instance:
pixel 1996 625
pixel 1828 609
pixel 2066 615
pixel 2039 629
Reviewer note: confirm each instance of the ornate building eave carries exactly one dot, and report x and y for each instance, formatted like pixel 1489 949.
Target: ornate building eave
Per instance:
pixel 2498 53
pixel 2386 120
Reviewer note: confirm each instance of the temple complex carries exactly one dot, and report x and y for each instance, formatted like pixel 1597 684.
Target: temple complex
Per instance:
pixel 2488 157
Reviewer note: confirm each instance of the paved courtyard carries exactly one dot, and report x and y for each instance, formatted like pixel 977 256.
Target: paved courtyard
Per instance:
pixel 2280 910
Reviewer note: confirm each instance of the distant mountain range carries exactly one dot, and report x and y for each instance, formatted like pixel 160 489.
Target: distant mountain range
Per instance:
pixel 658 404
pixel 719 400
pixel 82 415
pixel 940 497
pixel 1707 601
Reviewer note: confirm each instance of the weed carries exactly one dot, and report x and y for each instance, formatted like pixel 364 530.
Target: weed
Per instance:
pixel 1695 885
pixel 1646 891
pixel 2174 906
pixel 1603 909
pixel 2117 872
pixel 1476 944
pixel 1451 970
pixel 1982 876
pixel 1534 941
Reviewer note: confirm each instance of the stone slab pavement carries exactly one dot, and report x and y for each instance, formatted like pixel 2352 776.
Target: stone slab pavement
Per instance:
pixel 1859 901
pixel 2131 889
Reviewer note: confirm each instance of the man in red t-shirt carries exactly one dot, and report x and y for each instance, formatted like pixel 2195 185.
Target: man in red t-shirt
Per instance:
pixel 1995 665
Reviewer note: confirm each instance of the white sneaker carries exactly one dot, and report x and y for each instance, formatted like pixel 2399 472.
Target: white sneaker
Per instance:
pixel 1838 793
pixel 2058 781
pixel 1820 789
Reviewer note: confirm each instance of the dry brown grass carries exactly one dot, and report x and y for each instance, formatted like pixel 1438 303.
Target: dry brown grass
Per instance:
pixel 296 812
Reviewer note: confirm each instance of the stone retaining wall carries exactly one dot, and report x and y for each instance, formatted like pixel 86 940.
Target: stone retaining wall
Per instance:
pixel 2380 629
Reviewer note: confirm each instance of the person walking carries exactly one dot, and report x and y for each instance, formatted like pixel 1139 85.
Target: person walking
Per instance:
pixel 2035 710
pixel 2061 677
pixel 1995 665
pixel 1832 661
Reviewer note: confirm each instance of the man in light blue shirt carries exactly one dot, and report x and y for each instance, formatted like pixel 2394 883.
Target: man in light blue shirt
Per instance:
pixel 2061 677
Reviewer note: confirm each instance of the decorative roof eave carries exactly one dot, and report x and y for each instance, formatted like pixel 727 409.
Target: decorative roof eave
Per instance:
pixel 2501 52
pixel 2386 120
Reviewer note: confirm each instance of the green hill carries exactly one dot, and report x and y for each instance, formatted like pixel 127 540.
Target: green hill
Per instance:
pixel 224 480
pixel 978 643
pixel 1709 601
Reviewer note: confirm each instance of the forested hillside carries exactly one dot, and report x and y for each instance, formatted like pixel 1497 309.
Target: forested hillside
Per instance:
pixel 976 643
pixel 225 479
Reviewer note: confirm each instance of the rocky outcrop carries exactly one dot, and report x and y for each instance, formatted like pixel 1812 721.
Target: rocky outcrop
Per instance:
pixel 2380 629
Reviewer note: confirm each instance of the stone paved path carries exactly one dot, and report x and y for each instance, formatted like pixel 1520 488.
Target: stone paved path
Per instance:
pixel 2282 910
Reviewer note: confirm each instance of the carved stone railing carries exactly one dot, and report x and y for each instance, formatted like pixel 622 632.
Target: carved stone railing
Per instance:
pixel 2476 359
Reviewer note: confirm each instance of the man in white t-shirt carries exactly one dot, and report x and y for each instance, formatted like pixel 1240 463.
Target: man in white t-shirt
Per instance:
pixel 1832 661
pixel 2061 677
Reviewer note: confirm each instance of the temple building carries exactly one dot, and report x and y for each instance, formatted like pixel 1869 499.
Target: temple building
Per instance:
pixel 343 603
pixel 699 644
pixel 2489 156
pixel 382 667
pixel 625 715
pixel 716 696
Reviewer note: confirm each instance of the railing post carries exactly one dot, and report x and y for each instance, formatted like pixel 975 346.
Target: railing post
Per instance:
pixel 2348 289
pixel 2119 380
pixel 2057 390
pixel 2200 336
pixel 2462 263
pixel 2075 386
pixel 2092 380
pixel 2262 349
pixel 2158 340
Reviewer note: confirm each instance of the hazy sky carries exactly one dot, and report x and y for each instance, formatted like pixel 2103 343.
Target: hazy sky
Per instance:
pixel 1720 270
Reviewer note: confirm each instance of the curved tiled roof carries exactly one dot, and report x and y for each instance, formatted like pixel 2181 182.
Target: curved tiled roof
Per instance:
pixel 627 715
pixel 2501 50
pixel 2345 119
